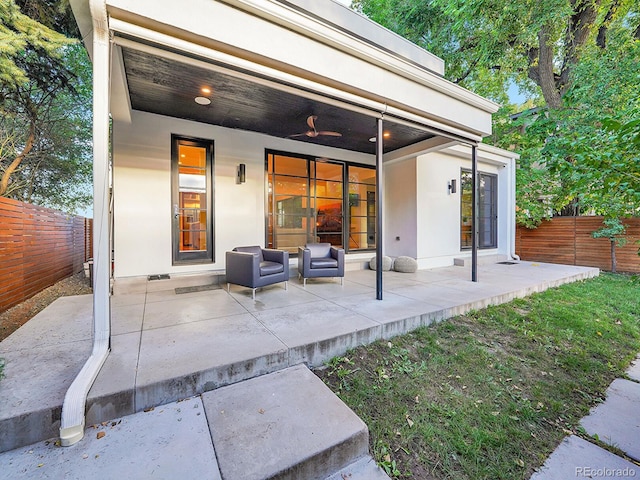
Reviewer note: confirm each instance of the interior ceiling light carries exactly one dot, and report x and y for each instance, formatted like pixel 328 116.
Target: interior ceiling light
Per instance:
pixel 202 101
pixel 384 135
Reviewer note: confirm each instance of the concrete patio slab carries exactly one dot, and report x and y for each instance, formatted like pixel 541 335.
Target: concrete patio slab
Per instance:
pixel 33 390
pixel 617 420
pixel 180 349
pixel 190 308
pixel 63 322
pixel 314 338
pixel 577 458
pixel 331 288
pixel 272 296
pixel 127 318
pixel 113 393
pixel 364 469
pixel 634 370
pixel 170 442
pixel 287 423
pixel 189 358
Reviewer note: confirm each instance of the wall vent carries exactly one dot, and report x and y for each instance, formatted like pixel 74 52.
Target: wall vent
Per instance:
pixel 162 276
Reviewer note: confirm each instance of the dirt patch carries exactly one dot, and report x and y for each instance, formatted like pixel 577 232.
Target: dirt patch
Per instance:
pixel 15 317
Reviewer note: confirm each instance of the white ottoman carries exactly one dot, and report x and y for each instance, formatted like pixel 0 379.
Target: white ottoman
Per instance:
pixel 387 263
pixel 405 264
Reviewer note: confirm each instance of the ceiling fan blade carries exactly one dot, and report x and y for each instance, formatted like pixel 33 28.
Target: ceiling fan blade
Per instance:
pixel 298 135
pixel 330 134
pixel 311 121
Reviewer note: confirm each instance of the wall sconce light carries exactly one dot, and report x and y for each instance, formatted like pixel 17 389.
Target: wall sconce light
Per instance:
pixel 242 173
pixel 452 186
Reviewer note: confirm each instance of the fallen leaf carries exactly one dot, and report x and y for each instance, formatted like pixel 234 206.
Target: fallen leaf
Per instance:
pixel 417 399
pixel 85 456
pixel 409 421
pixel 150 409
pixel 40 465
pixel 100 435
pixel 261 411
pixel 520 463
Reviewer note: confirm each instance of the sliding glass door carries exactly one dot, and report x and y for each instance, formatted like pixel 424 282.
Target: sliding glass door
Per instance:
pixel 305 201
pixel 319 200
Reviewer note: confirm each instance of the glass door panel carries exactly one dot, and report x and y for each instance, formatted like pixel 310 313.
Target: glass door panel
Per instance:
pixel 304 202
pixel 362 208
pixel 192 210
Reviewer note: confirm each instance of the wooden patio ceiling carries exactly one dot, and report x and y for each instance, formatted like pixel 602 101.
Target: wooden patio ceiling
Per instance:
pixel 167 87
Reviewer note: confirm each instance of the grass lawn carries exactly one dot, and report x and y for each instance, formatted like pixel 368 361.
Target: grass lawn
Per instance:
pixel 490 394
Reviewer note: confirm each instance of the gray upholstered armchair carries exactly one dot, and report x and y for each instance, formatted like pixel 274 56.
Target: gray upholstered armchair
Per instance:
pixel 320 260
pixel 255 267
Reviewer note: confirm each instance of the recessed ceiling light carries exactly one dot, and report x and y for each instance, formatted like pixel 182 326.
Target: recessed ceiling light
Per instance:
pixel 385 135
pixel 206 90
pixel 202 101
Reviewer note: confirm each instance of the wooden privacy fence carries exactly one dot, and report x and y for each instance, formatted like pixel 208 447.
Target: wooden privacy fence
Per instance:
pixel 38 247
pixel 568 240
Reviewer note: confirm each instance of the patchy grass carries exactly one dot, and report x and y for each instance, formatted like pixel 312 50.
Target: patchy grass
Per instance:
pixel 490 394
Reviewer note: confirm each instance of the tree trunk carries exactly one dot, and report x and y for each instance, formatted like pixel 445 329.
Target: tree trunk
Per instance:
pixel 545 74
pixel 6 176
pixel 613 255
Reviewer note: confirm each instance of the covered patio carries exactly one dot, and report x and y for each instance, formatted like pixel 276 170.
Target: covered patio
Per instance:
pixel 167 346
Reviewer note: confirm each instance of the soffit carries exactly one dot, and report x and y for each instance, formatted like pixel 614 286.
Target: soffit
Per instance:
pixel 167 87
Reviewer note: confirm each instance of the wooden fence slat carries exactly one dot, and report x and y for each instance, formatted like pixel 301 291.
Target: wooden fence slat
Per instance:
pixel 569 240
pixel 39 246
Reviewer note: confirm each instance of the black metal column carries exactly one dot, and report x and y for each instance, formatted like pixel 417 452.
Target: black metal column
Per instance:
pixel 379 187
pixel 474 214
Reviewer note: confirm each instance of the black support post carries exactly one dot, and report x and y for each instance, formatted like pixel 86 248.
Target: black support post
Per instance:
pixel 474 214
pixel 379 187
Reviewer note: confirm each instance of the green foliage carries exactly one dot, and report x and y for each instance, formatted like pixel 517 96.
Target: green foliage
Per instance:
pixel 45 116
pixel 22 42
pixel 579 144
pixel 614 230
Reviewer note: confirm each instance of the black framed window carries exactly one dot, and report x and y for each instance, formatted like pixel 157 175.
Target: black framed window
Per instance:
pixel 487 210
pixel 192 200
pixel 312 199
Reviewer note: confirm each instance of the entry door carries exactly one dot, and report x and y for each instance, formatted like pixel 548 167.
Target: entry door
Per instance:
pixel 192 200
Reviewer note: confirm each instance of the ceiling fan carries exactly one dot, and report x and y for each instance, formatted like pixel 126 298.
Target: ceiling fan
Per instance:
pixel 313 132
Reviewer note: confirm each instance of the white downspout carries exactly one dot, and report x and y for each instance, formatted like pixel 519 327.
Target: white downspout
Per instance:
pixel 73 409
pixel 512 215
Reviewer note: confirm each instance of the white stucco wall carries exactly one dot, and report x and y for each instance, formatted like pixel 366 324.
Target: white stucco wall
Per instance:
pixel 420 206
pixel 399 213
pixel 142 190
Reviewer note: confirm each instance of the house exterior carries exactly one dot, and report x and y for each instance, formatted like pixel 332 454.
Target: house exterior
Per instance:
pixel 220 123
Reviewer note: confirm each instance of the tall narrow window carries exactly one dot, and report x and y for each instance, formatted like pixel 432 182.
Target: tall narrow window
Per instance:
pixel 362 208
pixel 487 210
pixel 192 200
